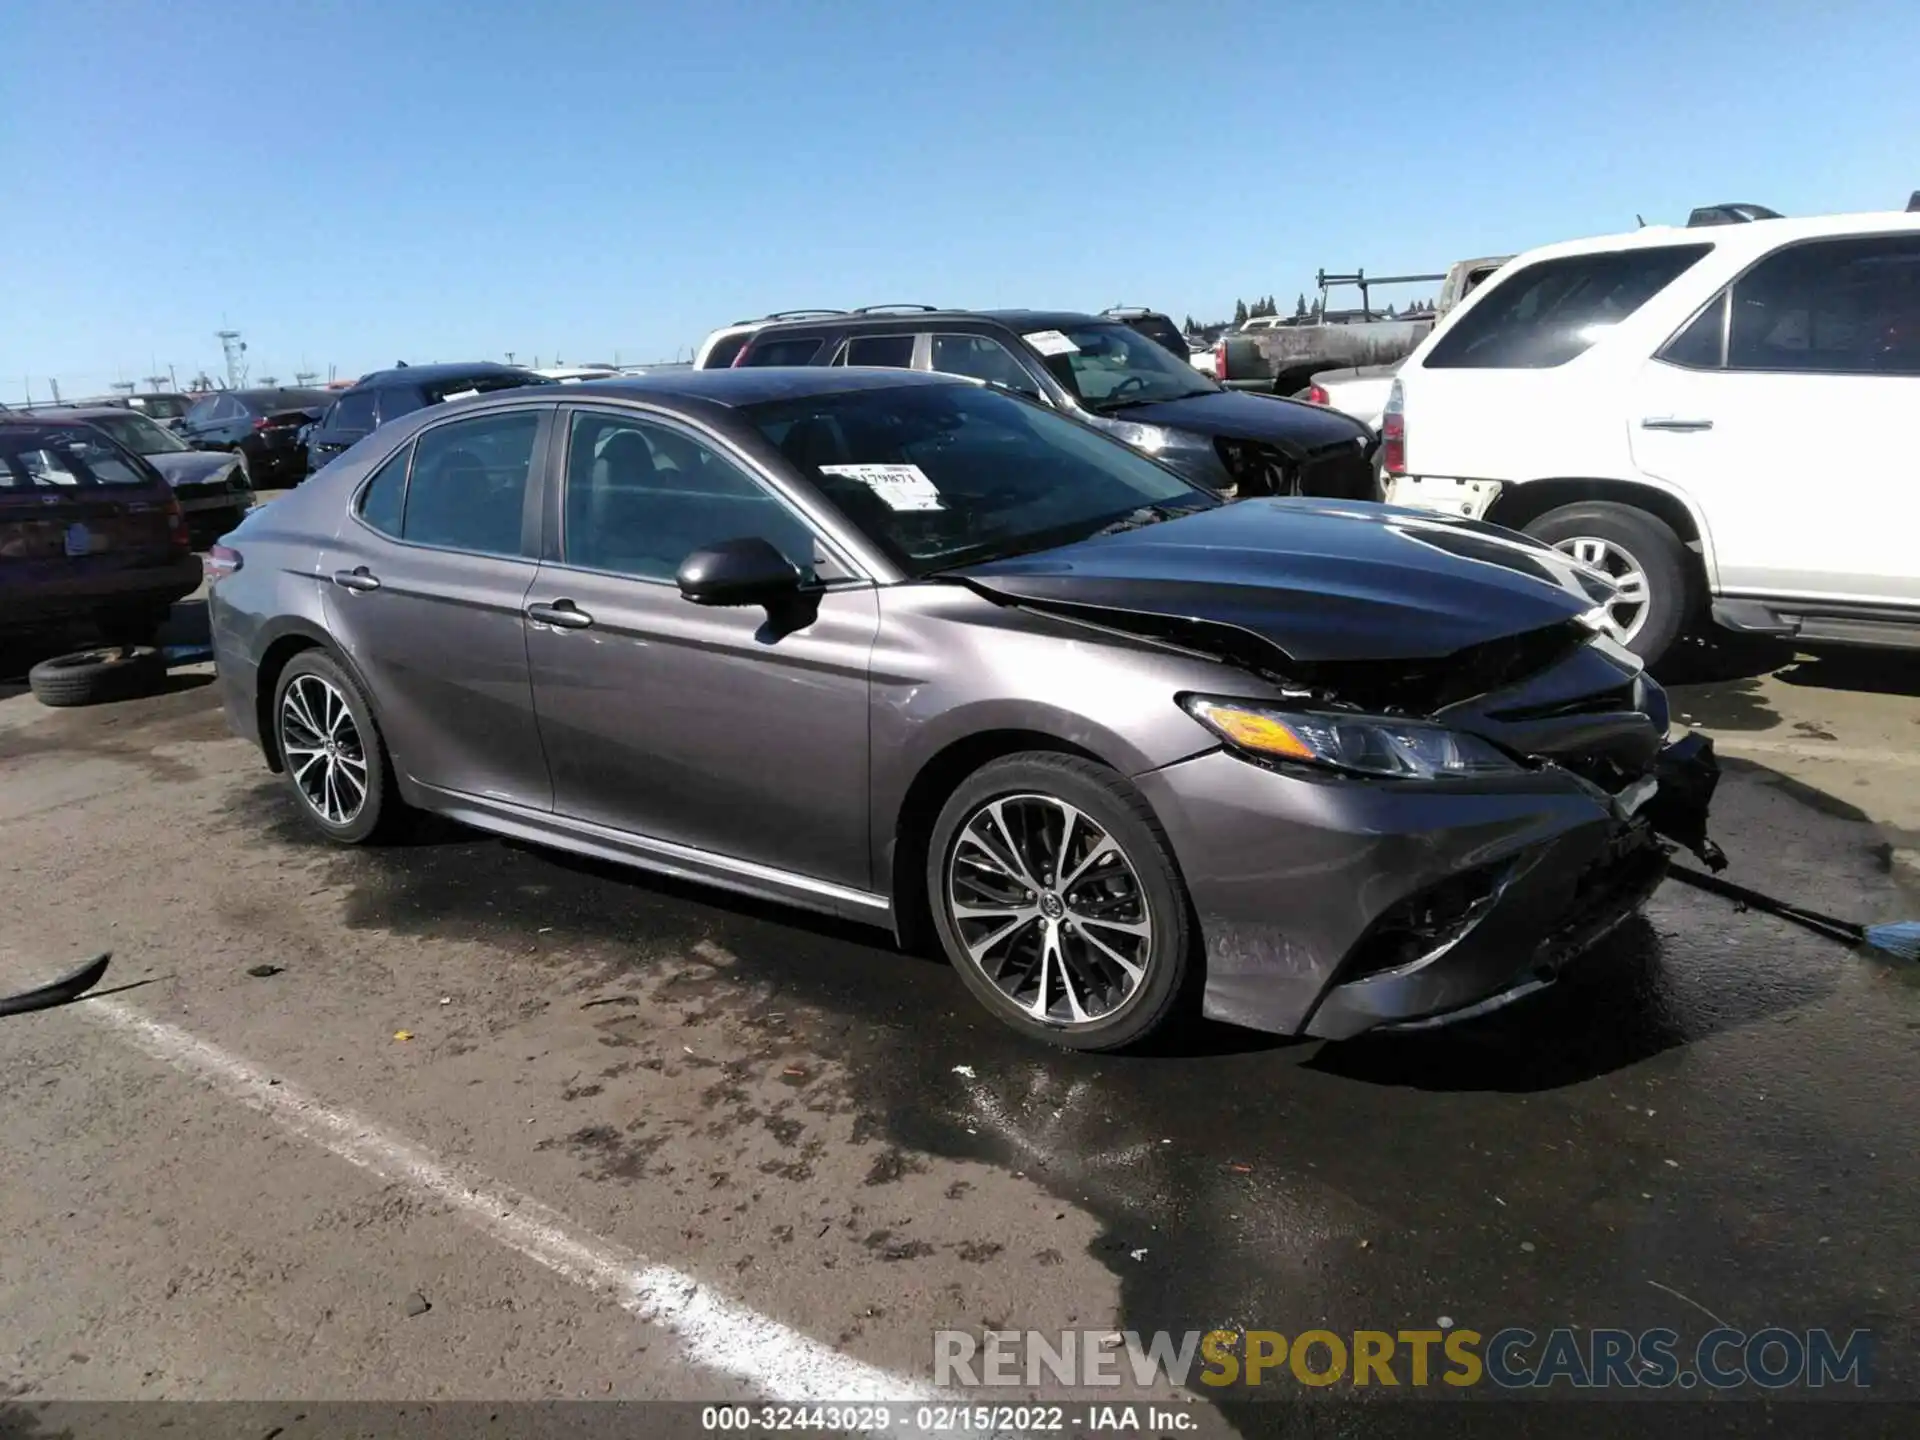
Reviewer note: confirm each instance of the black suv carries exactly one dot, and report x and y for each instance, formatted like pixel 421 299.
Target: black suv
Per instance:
pixel 374 399
pixel 1113 377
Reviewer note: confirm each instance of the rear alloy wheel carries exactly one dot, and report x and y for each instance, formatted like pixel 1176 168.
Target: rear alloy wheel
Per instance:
pixel 1644 559
pixel 335 763
pixel 1058 902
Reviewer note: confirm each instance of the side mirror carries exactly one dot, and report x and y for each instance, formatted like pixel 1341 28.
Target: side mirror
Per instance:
pixel 748 571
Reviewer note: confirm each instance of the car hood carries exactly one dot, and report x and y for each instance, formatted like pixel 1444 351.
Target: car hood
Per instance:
pixel 190 467
pixel 1321 580
pixel 1247 415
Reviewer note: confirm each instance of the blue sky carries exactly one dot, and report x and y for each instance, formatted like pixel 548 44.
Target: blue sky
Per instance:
pixel 352 183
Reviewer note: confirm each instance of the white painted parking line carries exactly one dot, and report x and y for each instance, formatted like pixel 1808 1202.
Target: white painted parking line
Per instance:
pixel 714 1333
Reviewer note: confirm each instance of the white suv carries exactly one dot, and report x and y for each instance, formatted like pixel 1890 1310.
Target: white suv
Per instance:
pixel 1710 415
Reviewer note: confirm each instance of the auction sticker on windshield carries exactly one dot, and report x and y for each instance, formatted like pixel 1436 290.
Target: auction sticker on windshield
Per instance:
pixel 1051 342
pixel 903 487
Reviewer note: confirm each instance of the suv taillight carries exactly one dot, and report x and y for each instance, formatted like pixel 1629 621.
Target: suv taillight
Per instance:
pixel 1393 433
pixel 1220 358
pixel 1317 395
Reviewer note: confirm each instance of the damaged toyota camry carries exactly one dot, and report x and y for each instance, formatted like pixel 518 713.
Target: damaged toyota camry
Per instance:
pixel 915 651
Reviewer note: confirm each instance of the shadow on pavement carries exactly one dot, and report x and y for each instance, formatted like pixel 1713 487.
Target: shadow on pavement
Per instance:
pixel 1880 672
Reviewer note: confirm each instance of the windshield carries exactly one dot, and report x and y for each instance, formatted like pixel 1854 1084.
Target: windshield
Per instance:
pixel 139 434
pixel 1108 366
pixel 945 475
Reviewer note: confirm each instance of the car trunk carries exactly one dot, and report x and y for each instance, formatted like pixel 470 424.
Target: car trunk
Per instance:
pixel 66 539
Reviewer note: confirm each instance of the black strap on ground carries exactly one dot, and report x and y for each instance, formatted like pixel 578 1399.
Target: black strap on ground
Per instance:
pixel 63 991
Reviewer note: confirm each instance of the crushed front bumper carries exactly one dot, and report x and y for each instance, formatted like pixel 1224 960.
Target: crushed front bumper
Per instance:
pixel 1333 906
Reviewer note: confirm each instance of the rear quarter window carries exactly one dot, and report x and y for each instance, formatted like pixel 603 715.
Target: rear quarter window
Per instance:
pixel 1552 311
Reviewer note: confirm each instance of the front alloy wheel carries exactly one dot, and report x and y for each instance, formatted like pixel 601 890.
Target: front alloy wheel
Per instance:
pixel 1050 909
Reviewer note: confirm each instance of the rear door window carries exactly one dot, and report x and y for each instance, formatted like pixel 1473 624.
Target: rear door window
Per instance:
pixel 397 400
pixel 1553 311
pixel 468 486
pixel 893 352
pixel 1830 307
pixel 785 350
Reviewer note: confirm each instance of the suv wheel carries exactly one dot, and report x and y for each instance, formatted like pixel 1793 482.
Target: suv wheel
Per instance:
pixel 1057 900
pixel 1641 555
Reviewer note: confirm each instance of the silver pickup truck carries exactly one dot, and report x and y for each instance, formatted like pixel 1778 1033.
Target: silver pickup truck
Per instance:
pixel 1283 354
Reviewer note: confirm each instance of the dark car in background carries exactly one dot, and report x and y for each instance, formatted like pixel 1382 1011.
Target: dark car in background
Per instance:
pixel 1111 376
pixel 388 394
pixel 928 655
pixel 211 485
pixel 90 534
pixel 267 428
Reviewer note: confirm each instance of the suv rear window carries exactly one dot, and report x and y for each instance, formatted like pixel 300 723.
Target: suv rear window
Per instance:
pixel 799 350
pixel 63 458
pixel 1552 311
pixel 482 384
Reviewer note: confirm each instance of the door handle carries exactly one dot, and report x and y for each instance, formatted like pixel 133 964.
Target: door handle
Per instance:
pixel 1667 422
pixel 562 614
pixel 359 578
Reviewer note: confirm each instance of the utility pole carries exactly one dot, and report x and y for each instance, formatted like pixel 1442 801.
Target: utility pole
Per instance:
pixel 56 389
pixel 236 351
pixel 509 357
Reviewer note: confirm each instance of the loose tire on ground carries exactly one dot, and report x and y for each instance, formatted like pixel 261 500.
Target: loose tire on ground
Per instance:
pixel 1672 592
pixel 94 677
pixel 1106 800
pixel 360 803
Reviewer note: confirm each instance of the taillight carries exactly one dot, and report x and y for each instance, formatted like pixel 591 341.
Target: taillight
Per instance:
pixel 1220 359
pixel 1317 395
pixel 261 422
pixel 177 535
pixel 1393 433
pixel 220 562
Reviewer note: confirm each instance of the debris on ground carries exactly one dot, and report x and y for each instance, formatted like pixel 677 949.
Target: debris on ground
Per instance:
pixel 265 972
pixel 417 1304
pixel 403 1034
pixel 1139 1254
pixel 965 1072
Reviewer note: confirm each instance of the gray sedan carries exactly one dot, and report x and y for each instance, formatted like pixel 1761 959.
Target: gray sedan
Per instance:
pixel 915 651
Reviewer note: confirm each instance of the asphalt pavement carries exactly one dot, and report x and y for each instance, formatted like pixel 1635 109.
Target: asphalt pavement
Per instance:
pixel 460 1118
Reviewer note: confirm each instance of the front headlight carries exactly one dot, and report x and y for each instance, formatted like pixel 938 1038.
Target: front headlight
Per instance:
pixel 1360 744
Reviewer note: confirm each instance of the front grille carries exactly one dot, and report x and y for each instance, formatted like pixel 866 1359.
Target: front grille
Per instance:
pixel 1342 471
pixel 1257 469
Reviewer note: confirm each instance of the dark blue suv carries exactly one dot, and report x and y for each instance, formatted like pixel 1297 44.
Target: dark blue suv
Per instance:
pixel 377 398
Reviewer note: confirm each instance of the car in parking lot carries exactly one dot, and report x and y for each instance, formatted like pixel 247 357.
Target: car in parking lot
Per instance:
pixel 928 655
pixel 90 534
pixel 266 428
pixel 384 395
pixel 1708 414
pixel 211 486
pixel 1109 375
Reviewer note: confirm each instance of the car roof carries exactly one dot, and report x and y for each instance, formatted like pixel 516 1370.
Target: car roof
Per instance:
pixel 752 384
pixel 427 374
pixel 1021 320
pixel 1751 236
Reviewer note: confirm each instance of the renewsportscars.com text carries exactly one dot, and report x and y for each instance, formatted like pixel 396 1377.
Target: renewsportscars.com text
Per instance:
pixel 1512 1358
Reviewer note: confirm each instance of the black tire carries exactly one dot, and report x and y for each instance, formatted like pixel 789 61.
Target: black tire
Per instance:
pixel 1672 591
pixel 1114 806
pixel 380 808
pixel 93 677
